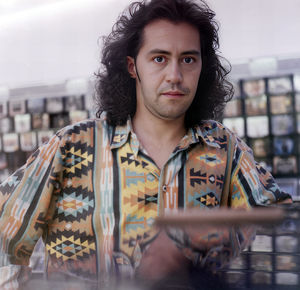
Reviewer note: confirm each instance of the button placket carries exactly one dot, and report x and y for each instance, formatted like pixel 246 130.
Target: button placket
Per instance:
pixel 164 188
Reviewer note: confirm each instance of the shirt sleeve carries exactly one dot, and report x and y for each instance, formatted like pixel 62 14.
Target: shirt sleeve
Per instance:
pixel 249 185
pixel 24 210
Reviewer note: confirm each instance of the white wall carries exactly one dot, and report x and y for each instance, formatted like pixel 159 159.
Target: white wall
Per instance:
pixel 60 41
pixel 258 28
pixel 54 42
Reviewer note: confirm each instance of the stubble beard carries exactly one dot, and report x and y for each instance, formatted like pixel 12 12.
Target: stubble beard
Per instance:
pixel 170 111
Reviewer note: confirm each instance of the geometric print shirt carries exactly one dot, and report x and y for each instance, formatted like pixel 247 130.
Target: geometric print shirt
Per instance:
pixel 93 193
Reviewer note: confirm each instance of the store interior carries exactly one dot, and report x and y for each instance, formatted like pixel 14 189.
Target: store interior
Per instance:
pixel 51 49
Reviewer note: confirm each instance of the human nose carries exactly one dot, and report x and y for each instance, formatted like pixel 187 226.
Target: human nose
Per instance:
pixel 174 74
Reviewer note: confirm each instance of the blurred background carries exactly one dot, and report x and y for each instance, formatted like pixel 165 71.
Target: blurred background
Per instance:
pixel 55 40
pixel 50 50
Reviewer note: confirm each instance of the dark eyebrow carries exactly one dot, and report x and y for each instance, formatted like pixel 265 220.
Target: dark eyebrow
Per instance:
pixel 188 52
pixel 192 52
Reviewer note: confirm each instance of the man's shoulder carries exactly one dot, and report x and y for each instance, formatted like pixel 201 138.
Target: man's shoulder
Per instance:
pixel 214 128
pixel 83 128
pixel 216 134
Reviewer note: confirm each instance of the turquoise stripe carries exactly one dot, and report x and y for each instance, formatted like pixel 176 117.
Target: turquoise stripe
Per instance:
pixel 96 137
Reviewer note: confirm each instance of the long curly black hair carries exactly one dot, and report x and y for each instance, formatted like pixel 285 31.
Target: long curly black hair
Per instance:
pixel 116 90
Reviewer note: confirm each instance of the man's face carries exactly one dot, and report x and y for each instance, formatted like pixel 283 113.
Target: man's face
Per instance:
pixel 167 69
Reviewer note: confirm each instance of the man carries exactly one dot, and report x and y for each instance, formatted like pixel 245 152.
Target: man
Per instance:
pixel 95 189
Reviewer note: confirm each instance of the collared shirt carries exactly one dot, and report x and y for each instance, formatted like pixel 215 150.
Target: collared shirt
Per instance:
pixel 93 194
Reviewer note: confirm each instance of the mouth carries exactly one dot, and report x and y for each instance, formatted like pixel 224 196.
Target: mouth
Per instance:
pixel 173 94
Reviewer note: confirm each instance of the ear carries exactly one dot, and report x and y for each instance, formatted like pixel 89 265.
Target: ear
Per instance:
pixel 131 67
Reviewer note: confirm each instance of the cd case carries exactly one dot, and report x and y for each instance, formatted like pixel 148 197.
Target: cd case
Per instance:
pixel 287 263
pixel 280 85
pixel 254 88
pixel 10 142
pixel 44 136
pixel 3 161
pixel 297 102
pixel 260 146
pixel 261 262
pixel 36 106
pixel 262 243
pixel 233 108
pixel 6 125
pixel 281 104
pixel 74 103
pixel 282 125
pixel 256 105
pixel 297 82
pixel 257 126
pixel 283 145
pixel 77 116
pixel 22 123
pixel 54 105
pixel 285 165
pixel 28 141
pixel 40 121
pixel 237 125
pixel 17 107
pixel 59 120
pixel 3 109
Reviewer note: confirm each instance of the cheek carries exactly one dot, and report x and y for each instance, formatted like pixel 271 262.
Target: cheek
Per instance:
pixel 193 76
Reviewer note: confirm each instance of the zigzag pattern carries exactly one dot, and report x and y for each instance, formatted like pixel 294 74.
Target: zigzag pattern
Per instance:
pixel 70 245
pixel 129 158
pixel 141 201
pixel 204 199
pixel 74 204
pixel 9 185
pixel 80 127
pixel 77 159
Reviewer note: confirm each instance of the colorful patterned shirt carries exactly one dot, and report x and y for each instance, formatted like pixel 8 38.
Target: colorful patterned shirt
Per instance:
pixel 93 193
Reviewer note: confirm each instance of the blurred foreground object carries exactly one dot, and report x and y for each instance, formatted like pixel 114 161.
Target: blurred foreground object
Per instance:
pixel 222 216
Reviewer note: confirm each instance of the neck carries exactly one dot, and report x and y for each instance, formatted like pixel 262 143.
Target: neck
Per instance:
pixel 164 131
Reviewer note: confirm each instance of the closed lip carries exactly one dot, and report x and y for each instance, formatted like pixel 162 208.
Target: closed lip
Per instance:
pixel 173 93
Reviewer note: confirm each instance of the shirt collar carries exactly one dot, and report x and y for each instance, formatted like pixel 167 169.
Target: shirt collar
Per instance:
pixel 120 134
pixel 205 132
pixel 202 132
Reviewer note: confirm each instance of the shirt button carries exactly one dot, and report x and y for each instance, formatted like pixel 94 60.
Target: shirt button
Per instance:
pixel 164 188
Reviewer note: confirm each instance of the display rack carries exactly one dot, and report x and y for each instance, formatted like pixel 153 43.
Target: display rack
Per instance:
pixel 273 260
pixel 265 112
pixel 29 119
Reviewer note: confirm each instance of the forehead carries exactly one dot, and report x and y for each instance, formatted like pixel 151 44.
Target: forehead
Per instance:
pixel 167 35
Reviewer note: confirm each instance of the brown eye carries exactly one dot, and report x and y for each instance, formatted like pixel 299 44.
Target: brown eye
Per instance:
pixel 188 60
pixel 159 59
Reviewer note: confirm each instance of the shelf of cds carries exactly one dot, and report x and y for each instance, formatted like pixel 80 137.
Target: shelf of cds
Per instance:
pixel 273 259
pixel 25 124
pixel 265 113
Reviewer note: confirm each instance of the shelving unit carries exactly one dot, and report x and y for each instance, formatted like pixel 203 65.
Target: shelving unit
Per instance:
pixel 273 260
pixel 30 117
pixel 265 112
